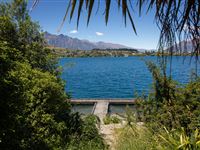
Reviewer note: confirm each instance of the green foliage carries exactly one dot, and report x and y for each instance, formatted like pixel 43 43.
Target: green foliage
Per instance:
pixel 178 139
pixel 39 99
pixel 171 104
pixel 164 87
pixel 19 32
pixel 137 137
pixel 34 111
pixel 171 114
pixel 130 116
pixel 111 119
pixel 89 138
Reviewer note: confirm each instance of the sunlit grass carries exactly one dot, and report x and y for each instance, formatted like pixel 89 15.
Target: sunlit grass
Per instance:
pixel 137 137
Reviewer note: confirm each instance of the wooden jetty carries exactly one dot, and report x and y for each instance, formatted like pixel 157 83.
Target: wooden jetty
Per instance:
pixel 101 106
pixel 110 101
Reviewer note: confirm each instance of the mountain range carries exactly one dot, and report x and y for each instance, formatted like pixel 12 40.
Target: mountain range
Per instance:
pixel 64 41
pixel 184 46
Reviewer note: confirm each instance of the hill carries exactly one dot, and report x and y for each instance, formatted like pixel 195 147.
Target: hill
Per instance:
pixel 64 41
pixel 183 47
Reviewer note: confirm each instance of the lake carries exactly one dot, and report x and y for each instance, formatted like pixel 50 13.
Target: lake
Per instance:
pixel 116 77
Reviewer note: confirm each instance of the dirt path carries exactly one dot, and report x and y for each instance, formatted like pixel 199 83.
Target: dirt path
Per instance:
pixel 109 134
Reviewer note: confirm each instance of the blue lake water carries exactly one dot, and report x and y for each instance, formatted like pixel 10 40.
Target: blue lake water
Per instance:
pixel 116 77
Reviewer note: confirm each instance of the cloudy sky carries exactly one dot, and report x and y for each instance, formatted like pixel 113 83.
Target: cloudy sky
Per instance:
pixel 49 14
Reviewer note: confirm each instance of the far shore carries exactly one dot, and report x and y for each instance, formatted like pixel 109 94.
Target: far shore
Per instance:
pixel 61 52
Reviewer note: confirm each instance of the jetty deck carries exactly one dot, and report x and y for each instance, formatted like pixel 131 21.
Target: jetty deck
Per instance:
pixel 101 109
pixel 110 101
pixel 101 106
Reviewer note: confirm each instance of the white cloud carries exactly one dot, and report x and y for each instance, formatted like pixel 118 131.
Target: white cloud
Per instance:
pixel 99 33
pixel 73 32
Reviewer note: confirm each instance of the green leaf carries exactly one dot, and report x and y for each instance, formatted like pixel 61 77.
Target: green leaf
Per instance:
pixel 79 11
pixel 107 10
pixel 90 10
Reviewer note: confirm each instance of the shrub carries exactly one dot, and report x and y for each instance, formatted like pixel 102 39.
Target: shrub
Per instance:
pixel 111 119
pixel 140 138
pixel 89 138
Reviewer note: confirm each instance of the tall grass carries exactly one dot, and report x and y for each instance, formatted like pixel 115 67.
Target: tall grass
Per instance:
pixel 136 137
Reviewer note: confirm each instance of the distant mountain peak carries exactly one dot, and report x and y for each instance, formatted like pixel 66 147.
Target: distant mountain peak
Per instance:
pixel 65 41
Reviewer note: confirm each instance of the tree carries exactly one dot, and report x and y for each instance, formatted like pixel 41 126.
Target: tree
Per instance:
pixel 34 109
pixel 34 112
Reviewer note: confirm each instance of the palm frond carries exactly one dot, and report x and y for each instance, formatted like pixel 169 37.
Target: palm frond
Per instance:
pixel 79 10
pixel 119 4
pixel 98 5
pixel 124 9
pixel 65 16
pixel 171 17
pixel 35 2
pixel 131 5
pixel 131 20
pixel 186 15
pixel 107 10
pixel 90 10
pixel 86 3
pixel 140 6
pixel 73 7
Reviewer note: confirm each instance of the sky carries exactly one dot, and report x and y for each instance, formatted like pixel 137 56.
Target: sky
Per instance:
pixel 49 14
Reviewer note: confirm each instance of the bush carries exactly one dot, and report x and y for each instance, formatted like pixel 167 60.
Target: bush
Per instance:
pixel 139 138
pixel 34 110
pixel 178 139
pixel 89 138
pixel 111 119
pixel 171 104
pixel 171 114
